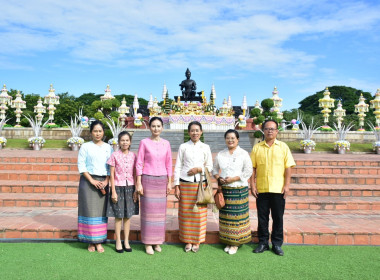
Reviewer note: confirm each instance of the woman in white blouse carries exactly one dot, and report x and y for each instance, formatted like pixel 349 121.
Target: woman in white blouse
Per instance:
pixel 94 170
pixel 192 159
pixel 235 169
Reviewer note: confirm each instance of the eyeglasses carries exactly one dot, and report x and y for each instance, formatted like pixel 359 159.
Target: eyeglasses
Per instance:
pixel 270 129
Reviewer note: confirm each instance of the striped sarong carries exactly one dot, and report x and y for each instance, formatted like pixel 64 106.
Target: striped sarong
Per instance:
pixel 192 224
pixel 234 223
pixel 92 220
pixel 153 209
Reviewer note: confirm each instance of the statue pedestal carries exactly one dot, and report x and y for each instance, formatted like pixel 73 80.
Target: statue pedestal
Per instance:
pixel 195 98
pixel 209 122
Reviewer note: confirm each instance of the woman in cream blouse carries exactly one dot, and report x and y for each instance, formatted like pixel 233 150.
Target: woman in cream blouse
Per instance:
pixel 192 159
pixel 235 169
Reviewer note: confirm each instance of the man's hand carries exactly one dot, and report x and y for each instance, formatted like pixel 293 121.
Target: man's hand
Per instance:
pixel 285 191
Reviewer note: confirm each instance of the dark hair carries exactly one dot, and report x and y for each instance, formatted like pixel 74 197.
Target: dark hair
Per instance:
pixel 267 121
pixel 231 131
pixel 123 133
pixel 264 123
pixel 155 119
pixel 94 123
pixel 194 123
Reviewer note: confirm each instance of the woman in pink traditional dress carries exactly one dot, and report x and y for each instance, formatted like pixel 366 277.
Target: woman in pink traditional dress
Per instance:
pixel 122 203
pixel 153 183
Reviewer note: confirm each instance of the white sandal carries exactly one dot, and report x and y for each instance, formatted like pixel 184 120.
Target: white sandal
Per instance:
pixel 233 250
pixel 227 248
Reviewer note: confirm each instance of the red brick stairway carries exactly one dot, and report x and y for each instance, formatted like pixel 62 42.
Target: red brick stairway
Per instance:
pixel 335 199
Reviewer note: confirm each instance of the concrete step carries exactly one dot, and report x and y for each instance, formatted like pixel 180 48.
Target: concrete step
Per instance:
pixel 40 166
pixel 48 187
pixel 33 176
pixel 300 203
pixel 337 170
pixel 338 227
pixel 335 190
pixel 335 179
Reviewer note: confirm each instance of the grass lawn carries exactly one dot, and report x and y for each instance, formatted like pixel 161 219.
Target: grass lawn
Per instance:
pixel 329 147
pixel 73 261
pixel 23 144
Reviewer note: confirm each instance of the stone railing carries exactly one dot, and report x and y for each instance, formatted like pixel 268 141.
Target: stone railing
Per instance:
pixel 64 134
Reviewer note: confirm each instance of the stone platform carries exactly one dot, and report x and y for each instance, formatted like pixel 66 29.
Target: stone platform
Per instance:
pixel 335 199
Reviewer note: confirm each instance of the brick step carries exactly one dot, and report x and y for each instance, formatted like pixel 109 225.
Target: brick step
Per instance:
pixel 359 227
pixel 28 175
pixel 301 203
pixel 334 179
pixel 362 170
pixel 62 187
pixel 40 166
pixel 334 190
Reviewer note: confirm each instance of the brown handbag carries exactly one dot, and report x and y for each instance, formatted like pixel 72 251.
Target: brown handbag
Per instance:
pixel 205 194
pixel 219 200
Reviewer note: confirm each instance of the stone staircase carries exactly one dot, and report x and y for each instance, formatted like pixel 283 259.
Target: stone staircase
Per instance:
pixel 175 138
pixel 335 199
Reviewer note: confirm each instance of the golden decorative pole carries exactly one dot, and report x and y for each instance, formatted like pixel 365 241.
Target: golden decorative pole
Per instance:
pixel 18 104
pixel 339 113
pixel 375 104
pixel 326 103
pixel 361 108
pixel 51 99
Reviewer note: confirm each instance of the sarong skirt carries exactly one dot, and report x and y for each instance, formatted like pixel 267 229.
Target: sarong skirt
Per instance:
pixel 192 224
pixel 125 206
pixel 153 209
pixel 234 223
pixel 92 220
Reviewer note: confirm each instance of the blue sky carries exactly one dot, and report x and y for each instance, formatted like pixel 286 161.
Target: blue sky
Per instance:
pixel 242 47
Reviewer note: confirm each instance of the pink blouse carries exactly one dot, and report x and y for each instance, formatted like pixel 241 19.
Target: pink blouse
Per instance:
pixel 154 158
pixel 124 166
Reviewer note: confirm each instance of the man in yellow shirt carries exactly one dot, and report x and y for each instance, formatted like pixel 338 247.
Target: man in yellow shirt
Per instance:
pixel 272 162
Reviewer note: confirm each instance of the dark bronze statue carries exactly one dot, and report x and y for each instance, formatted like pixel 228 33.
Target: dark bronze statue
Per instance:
pixel 188 88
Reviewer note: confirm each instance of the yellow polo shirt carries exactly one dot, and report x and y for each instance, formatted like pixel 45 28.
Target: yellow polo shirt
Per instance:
pixel 270 164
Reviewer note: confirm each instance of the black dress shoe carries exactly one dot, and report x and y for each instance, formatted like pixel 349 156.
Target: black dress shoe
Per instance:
pixel 261 248
pixel 119 251
pixel 277 250
pixel 128 250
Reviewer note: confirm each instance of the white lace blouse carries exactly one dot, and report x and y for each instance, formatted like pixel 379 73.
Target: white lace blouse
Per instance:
pixel 231 165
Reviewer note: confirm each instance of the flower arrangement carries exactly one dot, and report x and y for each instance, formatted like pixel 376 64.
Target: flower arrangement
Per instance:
pixel 242 121
pixel 76 129
pixel 376 132
pixel 138 120
pixel 36 141
pixel 325 128
pixel 306 134
pixel 342 144
pixel 341 133
pixel 75 140
pixel 3 140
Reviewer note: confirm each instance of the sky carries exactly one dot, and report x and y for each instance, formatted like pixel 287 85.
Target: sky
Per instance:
pixel 244 48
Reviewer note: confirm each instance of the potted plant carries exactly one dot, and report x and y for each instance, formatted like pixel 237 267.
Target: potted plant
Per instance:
pixel 75 141
pixel 37 141
pixel 342 144
pixel 376 132
pixel 306 144
pixel 3 140
pixel 115 128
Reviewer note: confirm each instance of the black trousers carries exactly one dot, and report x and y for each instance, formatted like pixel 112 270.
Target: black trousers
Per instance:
pixel 275 204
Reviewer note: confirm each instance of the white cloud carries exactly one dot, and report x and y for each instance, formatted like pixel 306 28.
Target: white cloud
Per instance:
pixel 249 35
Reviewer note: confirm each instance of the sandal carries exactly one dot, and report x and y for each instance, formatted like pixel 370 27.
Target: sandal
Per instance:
pixel 188 247
pixel 227 248
pixel 233 250
pixel 91 248
pixel 195 248
pixel 149 249
pixel 99 248
pixel 157 248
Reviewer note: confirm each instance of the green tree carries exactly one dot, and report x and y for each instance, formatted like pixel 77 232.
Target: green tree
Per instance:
pixel 88 98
